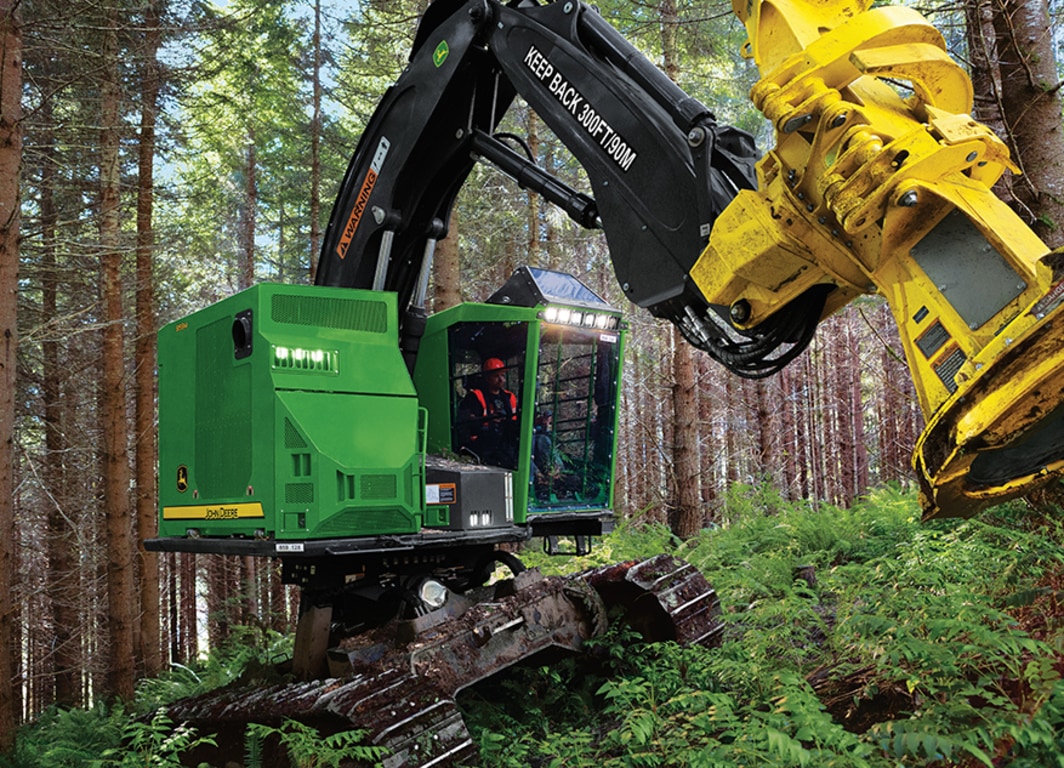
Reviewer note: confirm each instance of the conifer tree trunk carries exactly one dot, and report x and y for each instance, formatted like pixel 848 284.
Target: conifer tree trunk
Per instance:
pixel 687 465
pixel 982 64
pixel 533 197
pixel 707 371
pixel 1031 106
pixel 767 466
pixel 447 290
pixel 845 448
pixel 150 651
pixel 186 606
pixel 246 277
pixel 10 158
pixel 315 147
pixel 687 495
pixel 63 593
pixel 120 587
pixel 789 437
pixel 808 404
pixel 249 580
pixel 218 599
pixel 986 79
pixel 857 412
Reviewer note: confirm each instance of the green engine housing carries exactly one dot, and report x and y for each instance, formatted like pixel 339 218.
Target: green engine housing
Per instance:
pixel 287 412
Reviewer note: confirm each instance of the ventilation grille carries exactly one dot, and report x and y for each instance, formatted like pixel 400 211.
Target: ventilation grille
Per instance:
pixel 345 487
pixel 366 521
pixel 378 487
pixel 344 314
pixel 292 438
pixel 299 493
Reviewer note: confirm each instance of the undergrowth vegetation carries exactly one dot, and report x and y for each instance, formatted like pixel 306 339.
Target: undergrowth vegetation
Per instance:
pixel 852 637
pixel 857 637
pixel 138 733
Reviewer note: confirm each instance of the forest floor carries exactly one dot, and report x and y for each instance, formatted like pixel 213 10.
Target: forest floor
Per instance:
pixel 914 644
pixel 853 637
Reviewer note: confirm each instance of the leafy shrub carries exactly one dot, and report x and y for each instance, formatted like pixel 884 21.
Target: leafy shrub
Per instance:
pixel 917 645
pixel 101 737
pixel 248 650
pixel 138 733
pixel 67 738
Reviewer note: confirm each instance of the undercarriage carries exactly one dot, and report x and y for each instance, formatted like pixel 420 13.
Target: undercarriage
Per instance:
pixel 397 681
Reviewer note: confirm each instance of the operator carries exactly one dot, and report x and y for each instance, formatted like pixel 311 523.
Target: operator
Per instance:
pixel 549 471
pixel 545 459
pixel 488 416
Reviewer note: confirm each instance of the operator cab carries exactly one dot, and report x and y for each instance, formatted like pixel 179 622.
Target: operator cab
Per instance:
pixel 529 382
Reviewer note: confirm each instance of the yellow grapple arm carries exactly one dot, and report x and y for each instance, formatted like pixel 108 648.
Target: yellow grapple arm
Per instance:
pixel 876 188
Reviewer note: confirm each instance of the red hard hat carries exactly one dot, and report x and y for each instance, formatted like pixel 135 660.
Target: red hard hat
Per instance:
pixel 493 364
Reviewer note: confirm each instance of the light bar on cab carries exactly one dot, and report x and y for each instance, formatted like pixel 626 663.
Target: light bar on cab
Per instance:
pixel 582 317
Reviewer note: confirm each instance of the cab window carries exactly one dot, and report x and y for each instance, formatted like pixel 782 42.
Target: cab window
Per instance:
pixel 576 396
pixel 486 370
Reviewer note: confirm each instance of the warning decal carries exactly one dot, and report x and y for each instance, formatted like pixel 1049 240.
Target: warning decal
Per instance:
pixel 363 197
pixel 441 493
pixel 592 122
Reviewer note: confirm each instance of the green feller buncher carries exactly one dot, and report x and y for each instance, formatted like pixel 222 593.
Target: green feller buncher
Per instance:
pixel 383 455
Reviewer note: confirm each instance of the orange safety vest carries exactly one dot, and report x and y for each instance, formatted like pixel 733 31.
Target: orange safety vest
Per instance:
pixel 484 403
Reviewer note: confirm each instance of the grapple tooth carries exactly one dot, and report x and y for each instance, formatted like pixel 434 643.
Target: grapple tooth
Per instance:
pixel 665 599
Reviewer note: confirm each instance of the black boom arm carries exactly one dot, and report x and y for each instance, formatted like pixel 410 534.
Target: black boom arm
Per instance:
pixel 661 169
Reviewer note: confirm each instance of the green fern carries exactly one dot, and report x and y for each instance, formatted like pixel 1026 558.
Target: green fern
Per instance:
pixel 307 748
pixel 157 742
pixel 254 750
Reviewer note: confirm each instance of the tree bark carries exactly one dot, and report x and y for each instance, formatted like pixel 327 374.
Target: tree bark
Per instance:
pixel 116 475
pixel 186 606
pixel 10 159
pixel 687 495
pixel 63 592
pixel 843 458
pixel 982 64
pixel 1030 100
pixel 707 383
pixel 315 148
pixel 247 227
pixel 447 266
pixel 857 420
pixel 218 600
pixel 767 465
pixel 733 398
pixel 150 651
pixel 788 435
pixel 533 254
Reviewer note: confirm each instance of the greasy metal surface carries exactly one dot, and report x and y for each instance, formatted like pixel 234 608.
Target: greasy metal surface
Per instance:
pixel 1029 453
pixel 1002 423
pixel 402 694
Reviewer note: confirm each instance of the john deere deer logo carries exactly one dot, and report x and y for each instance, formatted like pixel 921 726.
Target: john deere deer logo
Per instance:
pixel 440 54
